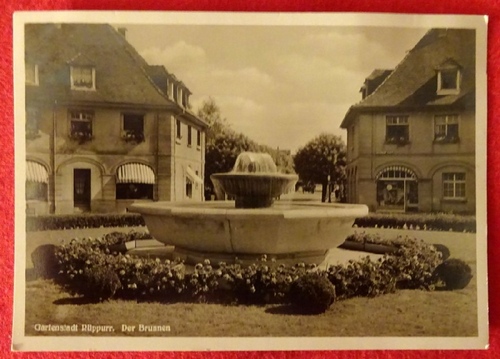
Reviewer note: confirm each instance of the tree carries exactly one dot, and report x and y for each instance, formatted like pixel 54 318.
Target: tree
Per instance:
pixel 223 145
pixel 210 113
pixel 282 159
pixel 321 159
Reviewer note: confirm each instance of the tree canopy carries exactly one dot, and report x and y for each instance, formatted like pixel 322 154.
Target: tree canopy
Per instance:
pixel 223 145
pixel 322 157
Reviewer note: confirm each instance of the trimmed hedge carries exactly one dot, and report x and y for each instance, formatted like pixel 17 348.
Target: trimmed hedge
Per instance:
pixel 422 221
pixel 73 221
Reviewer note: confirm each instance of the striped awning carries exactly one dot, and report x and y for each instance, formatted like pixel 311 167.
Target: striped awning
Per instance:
pixel 35 172
pixel 135 173
pixel 396 172
pixel 193 176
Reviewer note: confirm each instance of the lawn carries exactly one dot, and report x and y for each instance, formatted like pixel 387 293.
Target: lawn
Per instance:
pixel 404 313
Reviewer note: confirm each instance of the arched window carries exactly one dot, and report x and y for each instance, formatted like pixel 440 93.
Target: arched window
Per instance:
pixel 37 180
pixel 397 188
pixel 134 181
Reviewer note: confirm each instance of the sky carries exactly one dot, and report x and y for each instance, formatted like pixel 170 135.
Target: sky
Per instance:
pixel 280 85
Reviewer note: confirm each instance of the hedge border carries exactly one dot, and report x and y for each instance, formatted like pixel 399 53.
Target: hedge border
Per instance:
pixel 74 221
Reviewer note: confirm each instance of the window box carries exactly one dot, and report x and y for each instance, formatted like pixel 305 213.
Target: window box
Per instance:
pixel 398 141
pixel 80 137
pixel 133 136
pixel 446 139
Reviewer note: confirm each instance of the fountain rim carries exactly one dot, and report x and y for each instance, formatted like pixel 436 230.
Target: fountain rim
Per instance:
pixel 303 209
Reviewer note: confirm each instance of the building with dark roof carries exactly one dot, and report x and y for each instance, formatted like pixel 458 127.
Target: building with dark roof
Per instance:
pixel 103 127
pixel 411 139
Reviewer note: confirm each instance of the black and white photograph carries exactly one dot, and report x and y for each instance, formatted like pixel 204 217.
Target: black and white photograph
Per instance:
pixel 244 181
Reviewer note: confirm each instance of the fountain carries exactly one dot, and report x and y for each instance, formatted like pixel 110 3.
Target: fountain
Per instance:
pixel 252 225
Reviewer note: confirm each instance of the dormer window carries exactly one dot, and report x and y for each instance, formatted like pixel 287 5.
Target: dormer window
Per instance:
pixel 179 96
pixel 448 78
pixel 31 74
pixel 170 90
pixel 82 78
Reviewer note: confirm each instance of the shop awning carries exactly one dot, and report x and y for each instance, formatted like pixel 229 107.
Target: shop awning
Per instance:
pixel 135 173
pixel 193 176
pixel 35 172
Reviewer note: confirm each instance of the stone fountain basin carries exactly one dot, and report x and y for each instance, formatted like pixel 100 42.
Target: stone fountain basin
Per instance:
pixel 217 230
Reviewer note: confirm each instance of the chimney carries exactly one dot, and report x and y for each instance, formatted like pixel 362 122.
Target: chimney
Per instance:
pixel 123 31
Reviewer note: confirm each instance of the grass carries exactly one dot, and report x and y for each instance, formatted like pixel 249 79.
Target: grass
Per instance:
pixel 402 314
pixel 405 313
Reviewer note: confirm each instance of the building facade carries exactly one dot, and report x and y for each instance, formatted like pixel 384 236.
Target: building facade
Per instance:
pixel 103 127
pixel 411 139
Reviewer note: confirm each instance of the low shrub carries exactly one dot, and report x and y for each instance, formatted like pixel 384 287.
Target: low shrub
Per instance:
pixel 413 264
pixel 454 273
pixel 44 261
pixel 99 283
pixel 445 251
pixel 73 221
pixel 312 293
pixel 421 221
pixel 362 278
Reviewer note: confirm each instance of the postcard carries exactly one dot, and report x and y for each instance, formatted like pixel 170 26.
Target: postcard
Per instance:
pixel 249 181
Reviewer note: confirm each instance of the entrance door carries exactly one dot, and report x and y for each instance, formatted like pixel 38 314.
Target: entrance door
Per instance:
pixel 81 189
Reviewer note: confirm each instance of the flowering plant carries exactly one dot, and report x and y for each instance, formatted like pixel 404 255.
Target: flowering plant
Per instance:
pixel 133 136
pixel 80 136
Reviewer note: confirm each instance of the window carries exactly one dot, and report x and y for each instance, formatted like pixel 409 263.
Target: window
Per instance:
pixel 397 188
pixel 185 99
pixel 446 128
pixel 134 181
pixel 133 127
pixel 37 180
pixel 448 81
pixel 198 138
pixel 170 89
pixel 82 78
pixel 81 125
pixel 179 95
pixel 31 74
pixel 174 92
pixel 178 129
pixel 36 191
pixel 454 185
pixel 397 130
pixel 32 119
pixel 189 188
pixel 189 136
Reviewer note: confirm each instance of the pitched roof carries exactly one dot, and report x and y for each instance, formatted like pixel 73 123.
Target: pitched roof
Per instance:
pixel 122 76
pixel 413 83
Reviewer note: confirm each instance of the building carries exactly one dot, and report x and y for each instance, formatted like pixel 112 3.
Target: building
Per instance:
pixel 104 128
pixel 411 139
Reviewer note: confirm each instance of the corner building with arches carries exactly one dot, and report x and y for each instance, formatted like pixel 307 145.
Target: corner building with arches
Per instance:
pixel 411 138
pixel 103 127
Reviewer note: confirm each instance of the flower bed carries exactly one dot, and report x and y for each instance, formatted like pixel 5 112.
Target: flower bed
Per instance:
pixel 56 222
pixel 419 221
pixel 411 266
